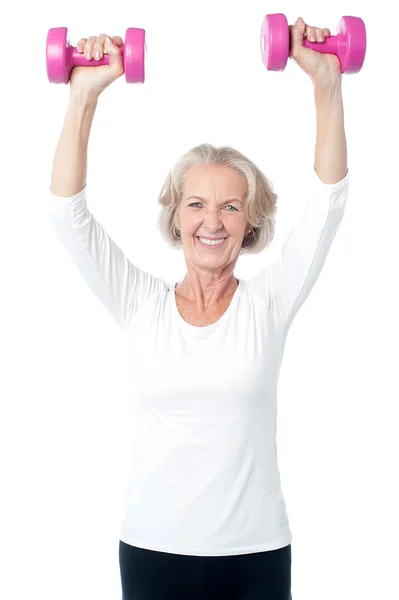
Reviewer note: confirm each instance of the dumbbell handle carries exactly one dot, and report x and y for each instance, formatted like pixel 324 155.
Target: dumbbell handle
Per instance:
pixel 329 46
pixel 78 59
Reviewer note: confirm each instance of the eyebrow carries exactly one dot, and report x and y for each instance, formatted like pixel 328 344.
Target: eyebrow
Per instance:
pixel 204 200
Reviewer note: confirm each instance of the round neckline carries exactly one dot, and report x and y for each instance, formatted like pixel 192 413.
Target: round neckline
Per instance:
pixel 205 328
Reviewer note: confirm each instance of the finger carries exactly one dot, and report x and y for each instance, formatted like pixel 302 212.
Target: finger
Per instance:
pixel 311 33
pixel 327 32
pixel 320 37
pixel 98 47
pixel 89 47
pixel 81 45
pixel 118 40
pixel 111 47
pixel 115 54
pixel 297 32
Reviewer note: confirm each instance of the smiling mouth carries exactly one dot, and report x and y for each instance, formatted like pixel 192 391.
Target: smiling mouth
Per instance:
pixel 211 243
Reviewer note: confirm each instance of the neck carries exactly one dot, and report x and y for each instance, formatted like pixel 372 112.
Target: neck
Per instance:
pixel 205 289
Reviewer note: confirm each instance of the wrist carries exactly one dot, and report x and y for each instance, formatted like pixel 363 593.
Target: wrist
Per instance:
pixel 83 100
pixel 325 83
pixel 327 94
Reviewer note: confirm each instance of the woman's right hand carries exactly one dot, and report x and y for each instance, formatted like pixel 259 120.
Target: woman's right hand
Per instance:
pixel 91 81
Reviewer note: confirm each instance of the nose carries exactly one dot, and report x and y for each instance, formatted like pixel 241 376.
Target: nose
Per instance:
pixel 212 221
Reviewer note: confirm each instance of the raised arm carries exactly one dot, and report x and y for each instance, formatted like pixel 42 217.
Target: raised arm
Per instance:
pixel 291 277
pixel 331 152
pixel 118 284
pixel 324 71
pixel 69 173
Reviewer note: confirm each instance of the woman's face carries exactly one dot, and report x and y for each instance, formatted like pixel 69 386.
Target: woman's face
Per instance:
pixel 211 216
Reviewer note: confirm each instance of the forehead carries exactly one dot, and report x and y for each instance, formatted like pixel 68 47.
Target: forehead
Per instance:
pixel 208 180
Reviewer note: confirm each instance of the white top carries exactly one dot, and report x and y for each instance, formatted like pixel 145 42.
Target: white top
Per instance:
pixel 204 478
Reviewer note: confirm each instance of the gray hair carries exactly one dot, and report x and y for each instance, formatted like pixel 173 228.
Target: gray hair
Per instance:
pixel 260 203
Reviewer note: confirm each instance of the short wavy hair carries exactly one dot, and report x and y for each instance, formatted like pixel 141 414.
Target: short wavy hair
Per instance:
pixel 260 204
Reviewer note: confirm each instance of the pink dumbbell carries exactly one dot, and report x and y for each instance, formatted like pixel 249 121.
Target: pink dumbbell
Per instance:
pixel 61 57
pixel 349 45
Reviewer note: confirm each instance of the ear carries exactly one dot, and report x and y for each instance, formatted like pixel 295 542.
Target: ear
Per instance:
pixel 176 226
pixel 176 220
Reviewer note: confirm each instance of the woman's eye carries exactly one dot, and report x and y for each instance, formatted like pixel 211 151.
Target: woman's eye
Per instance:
pixel 229 207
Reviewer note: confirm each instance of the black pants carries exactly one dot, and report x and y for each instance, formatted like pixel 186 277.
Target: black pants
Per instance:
pixel 152 575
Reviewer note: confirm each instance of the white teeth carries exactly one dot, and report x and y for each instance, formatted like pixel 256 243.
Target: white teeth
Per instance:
pixel 211 242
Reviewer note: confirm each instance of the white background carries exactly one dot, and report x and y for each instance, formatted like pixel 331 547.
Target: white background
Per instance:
pixel 64 422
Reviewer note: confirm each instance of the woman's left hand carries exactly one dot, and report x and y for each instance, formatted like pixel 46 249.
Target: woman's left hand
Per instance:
pixel 320 67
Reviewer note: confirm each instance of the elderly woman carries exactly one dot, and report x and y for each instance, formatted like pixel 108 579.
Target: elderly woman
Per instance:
pixel 205 515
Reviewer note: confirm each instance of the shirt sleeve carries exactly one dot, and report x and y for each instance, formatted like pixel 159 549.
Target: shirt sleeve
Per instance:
pixel 290 278
pixel 116 282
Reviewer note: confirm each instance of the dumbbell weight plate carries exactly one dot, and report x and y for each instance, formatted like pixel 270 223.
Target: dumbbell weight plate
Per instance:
pixel 58 55
pixel 133 55
pixel 275 42
pixel 351 51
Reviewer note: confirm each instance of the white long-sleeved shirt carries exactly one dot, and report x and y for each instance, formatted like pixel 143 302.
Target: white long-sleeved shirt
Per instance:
pixel 204 478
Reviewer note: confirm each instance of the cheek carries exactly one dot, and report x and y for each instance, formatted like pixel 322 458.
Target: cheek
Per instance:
pixel 236 226
pixel 190 222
